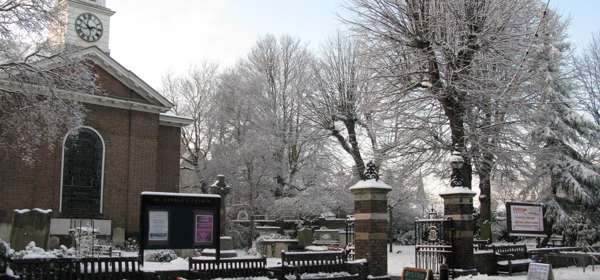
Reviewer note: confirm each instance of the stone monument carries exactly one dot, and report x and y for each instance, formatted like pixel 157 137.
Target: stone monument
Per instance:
pixel 226 243
pixel 30 225
pixel 372 221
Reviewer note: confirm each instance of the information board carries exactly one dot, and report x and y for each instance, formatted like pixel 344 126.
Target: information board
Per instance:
pixel 412 273
pixel 525 219
pixel 179 221
pixel 540 271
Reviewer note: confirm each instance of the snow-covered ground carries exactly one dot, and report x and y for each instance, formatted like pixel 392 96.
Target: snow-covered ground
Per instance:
pixel 567 273
pixel 401 257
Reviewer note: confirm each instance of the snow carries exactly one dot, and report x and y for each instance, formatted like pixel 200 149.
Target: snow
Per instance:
pixel 22 211
pixel 44 211
pixel 457 190
pixel 182 194
pixel 176 264
pixel 371 184
pixel 567 273
pixel 401 257
pixel 316 248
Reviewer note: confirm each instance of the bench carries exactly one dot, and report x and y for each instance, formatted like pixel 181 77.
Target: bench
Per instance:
pixel 73 268
pixel 298 263
pixel 511 258
pixel 227 268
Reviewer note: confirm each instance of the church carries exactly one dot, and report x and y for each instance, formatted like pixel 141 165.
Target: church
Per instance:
pixel 129 143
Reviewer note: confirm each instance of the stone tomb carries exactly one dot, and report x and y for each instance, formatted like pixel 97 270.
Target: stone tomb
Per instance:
pixel 30 225
pixel 326 237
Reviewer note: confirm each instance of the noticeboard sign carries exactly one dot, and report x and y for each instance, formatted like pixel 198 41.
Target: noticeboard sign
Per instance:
pixel 179 221
pixel 525 219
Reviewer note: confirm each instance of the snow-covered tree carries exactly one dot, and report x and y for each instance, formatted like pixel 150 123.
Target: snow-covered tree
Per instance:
pixel 194 96
pixel 456 68
pixel 34 116
pixel 574 182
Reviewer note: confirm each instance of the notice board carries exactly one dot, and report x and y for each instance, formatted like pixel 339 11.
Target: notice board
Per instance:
pixel 525 219
pixel 179 221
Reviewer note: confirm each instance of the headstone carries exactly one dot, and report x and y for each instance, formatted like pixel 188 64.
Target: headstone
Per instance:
pixel 540 271
pixel 326 237
pixel 30 225
pixel 243 216
pixel 118 237
pixel 53 242
pixel 412 273
pixel 305 237
pixel 268 230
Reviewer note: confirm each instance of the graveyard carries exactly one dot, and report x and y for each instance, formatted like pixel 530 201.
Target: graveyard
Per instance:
pixel 290 140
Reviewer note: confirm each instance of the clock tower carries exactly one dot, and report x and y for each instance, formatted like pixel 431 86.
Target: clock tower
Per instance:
pixel 84 23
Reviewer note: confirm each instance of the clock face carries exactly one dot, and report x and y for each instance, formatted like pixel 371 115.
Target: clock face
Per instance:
pixel 88 27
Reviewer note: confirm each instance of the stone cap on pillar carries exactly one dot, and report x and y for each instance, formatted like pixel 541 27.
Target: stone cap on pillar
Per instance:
pixel 371 184
pixel 457 191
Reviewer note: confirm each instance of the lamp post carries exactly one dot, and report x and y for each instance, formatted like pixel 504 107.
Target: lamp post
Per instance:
pixel 456 161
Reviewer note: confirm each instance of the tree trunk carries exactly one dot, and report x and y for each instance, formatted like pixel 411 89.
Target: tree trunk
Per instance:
pixel 485 187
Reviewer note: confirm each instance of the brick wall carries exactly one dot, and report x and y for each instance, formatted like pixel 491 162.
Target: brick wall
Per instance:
pixel 168 159
pixel 140 156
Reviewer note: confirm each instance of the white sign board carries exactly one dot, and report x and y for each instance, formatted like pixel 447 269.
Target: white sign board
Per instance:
pixel 158 225
pixel 540 271
pixel 525 219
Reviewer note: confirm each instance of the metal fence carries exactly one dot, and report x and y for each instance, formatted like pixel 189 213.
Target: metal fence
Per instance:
pixel 433 243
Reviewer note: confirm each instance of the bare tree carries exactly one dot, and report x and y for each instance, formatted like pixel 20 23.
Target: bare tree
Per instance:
pixel 194 96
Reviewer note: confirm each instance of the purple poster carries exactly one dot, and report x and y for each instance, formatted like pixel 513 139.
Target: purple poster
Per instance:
pixel 204 228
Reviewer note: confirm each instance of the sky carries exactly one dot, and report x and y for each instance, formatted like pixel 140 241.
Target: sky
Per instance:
pixel 153 37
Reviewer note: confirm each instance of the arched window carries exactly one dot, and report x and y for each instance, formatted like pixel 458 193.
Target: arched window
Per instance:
pixel 82 173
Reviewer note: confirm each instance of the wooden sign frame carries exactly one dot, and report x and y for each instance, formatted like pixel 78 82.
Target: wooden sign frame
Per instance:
pixel 509 220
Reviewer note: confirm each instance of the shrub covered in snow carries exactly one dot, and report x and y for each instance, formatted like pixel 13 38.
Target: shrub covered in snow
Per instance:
pixel 160 256
pixel 33 252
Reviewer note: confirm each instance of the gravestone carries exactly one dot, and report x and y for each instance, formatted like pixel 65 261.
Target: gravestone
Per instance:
pixel 540 271
pixel 326 237
pixel 305 237
pixel 30 225
pixel 411 273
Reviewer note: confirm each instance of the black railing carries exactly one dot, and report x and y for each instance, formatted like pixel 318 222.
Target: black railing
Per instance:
pixel 433 243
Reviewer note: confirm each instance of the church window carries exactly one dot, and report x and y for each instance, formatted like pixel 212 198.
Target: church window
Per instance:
pixel 83 166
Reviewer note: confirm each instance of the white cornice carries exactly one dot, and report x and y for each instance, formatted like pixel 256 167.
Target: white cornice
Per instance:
pixel 172 120
pixel 115 69
pixel 81 97
pixel 92 7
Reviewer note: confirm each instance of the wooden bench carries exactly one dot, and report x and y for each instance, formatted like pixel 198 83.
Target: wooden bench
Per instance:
pixel 299 263
pixel 227 268
pixel 511 258
pixel 73 268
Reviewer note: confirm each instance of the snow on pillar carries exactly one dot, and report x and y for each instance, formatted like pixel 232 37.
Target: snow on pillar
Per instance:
pixel 371 221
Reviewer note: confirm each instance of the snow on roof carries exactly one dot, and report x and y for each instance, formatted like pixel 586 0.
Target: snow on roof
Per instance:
pixel 22 211
pixel 45 211
pixel 182 194
pixel 370 184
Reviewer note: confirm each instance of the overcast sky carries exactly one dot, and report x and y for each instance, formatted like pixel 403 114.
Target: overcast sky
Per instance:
pixel 154 37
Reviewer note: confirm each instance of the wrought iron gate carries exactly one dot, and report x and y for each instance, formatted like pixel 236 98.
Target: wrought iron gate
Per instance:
pixel 350 225
pixel 433 245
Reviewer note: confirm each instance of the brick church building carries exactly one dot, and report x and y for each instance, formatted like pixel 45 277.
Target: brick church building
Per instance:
pixel 129 143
